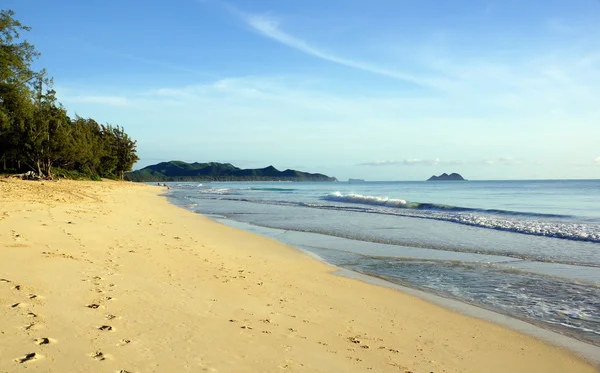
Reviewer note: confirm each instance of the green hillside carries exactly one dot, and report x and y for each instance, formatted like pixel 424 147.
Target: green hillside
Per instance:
pixel 212 171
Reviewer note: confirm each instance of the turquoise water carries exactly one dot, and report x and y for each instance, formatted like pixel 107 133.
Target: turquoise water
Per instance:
pixel 529 249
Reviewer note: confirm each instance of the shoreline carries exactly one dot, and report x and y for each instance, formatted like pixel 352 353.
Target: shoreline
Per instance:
pixel 587 351
pixel 111 276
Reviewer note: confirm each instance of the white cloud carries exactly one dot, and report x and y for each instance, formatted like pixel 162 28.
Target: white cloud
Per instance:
pixel 105 100
pixel 505 161
pixel 488 9
pixel 411 162
pixel 559 26
pixel 269 27
pixel 597 161
pixel 564 78
pixel 265 110
pixel 421 162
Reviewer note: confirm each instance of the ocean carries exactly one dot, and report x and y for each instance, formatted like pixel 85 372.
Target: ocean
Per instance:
pixel 527 249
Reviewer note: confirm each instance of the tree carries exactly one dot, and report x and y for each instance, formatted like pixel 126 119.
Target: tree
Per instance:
pixel 122 150
pixel 16 56
pixel 16 76
pixel 35 131
pixel 87 146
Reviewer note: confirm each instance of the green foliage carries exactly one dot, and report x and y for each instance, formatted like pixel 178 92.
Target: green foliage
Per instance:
pixel 36 134
pixel 181 171
pixel 70 174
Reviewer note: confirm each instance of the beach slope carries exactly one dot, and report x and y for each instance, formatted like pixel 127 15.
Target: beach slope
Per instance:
pixel 108 276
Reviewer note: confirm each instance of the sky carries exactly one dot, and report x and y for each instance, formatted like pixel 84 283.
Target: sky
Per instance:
pixel 379 90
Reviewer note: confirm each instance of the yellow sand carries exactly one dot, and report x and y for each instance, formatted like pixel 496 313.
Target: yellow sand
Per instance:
pixel 109 277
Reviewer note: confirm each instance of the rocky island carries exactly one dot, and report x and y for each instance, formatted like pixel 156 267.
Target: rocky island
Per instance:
pixel 213 171
pixel 446 177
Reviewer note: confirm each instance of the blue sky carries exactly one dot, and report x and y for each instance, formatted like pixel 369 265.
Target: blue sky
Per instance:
pixel 381 90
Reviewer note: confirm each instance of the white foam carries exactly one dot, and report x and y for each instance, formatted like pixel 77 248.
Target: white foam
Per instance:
pixel 538 228
pixel 572 231
pixel 214 191
pixel 365 200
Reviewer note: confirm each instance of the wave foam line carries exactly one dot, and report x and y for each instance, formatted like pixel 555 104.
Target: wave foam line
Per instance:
pixel 365 200
pixel 400 203
pixel 567 231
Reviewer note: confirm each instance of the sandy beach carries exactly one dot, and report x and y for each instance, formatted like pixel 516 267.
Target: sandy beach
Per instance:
pixel 110 277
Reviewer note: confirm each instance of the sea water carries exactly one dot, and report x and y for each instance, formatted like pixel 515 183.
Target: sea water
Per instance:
pixel 528 249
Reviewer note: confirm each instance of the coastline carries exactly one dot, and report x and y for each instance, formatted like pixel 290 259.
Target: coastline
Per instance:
pixel 581 348
pixel 144 285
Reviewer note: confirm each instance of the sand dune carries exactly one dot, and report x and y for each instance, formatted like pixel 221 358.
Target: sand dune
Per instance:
pixel 110 277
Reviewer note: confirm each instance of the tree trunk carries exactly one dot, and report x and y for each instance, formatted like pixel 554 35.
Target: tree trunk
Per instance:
pixel 49 171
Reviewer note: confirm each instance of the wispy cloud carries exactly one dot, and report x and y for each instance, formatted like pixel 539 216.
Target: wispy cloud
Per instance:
pixel 543 79
pixel 161 64
pixel 597 161
pixel 505 161
pixel 270 28
pixel 488 9
pixel 559 26
pixel 105 100
pixel 410 162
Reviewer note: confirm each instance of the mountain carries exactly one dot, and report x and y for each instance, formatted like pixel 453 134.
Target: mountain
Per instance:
pixel 212 171
pixel 446 177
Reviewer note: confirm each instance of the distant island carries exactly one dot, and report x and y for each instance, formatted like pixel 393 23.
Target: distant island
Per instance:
pixel 356 180
pixel 446 177
pixel 212 171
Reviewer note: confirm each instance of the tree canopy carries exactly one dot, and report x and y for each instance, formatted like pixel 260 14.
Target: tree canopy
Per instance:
pixel 36 134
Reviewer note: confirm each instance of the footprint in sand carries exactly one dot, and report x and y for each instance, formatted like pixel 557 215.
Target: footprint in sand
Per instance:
pixel 124 342
pixel 99 356
pixel 93 306
pixel 105 328
pixel 26 358
pixel 354 340
pixel 42 341
pixel 4 280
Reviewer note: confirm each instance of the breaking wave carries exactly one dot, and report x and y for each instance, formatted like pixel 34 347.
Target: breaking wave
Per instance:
pixel 512 221
pixel 400 203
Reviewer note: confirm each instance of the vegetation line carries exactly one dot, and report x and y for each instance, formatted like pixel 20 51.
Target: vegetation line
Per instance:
pixel 36 134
